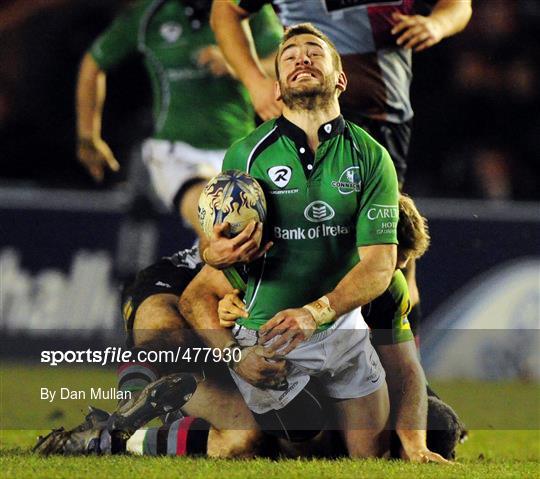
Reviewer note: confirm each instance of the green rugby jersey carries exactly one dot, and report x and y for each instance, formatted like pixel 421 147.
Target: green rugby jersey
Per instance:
pixel 190 104
pixel 321 208
pixel 387 314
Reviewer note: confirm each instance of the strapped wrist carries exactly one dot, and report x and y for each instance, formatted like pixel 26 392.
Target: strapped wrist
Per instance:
pixel 321 311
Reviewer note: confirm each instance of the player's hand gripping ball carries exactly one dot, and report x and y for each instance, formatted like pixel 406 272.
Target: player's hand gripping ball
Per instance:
pixel 233 197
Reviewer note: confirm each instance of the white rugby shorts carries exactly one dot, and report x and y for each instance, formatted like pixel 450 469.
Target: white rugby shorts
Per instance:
pixel 341 357
pixel 173 164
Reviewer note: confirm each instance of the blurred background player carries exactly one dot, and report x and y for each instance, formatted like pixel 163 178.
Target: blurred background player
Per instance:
pixel 199 109
pixel 375 41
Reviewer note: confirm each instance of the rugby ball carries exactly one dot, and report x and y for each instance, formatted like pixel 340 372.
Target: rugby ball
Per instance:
pixel 233 197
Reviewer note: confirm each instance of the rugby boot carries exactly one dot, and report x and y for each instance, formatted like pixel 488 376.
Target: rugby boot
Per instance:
pixel 159 398
pixel 83 439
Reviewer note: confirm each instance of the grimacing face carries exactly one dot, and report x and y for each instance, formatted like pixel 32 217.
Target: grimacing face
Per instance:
pixel 306 69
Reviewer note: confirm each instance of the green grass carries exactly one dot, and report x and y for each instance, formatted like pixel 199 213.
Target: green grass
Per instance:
pixel 492 453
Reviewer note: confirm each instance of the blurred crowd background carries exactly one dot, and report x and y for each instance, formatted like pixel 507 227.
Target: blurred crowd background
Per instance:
pixel 475 96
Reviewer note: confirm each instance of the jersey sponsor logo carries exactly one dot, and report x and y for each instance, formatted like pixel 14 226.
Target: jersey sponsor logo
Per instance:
pixel 284 192
pixel 318 211
pixel 161 283
pixel 170 31
pixel 280 175
pixel 315 232
pixel 379 212
pixel 349 181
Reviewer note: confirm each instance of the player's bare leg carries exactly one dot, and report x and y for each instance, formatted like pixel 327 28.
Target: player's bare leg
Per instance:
pixel 234 432
pixel 157 325
pixel 364 422
pixel 158 322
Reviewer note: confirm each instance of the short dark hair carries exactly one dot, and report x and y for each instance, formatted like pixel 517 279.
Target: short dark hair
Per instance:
pixel 307 29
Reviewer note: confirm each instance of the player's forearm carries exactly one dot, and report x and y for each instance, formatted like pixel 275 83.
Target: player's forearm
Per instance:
pixel 408 396
pixel 452 15
pixel 366 281
pixel 235 42
pixel 411 408
pixel 91 89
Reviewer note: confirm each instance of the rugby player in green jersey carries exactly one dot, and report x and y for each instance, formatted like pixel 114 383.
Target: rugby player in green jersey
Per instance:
pixel 199 108
pixel 332 196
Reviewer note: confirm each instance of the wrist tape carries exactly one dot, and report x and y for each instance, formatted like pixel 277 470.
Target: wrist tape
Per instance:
pixel 321 310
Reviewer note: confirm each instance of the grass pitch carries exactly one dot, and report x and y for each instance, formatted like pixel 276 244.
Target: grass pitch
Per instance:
pixel 493 449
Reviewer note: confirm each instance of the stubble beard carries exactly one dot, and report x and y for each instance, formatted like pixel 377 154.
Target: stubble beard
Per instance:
pixel 314 98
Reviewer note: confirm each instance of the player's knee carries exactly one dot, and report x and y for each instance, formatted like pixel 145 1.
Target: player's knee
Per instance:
pixel 158 319
pixel 410 276
pixel 159 311
pixel 414 296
